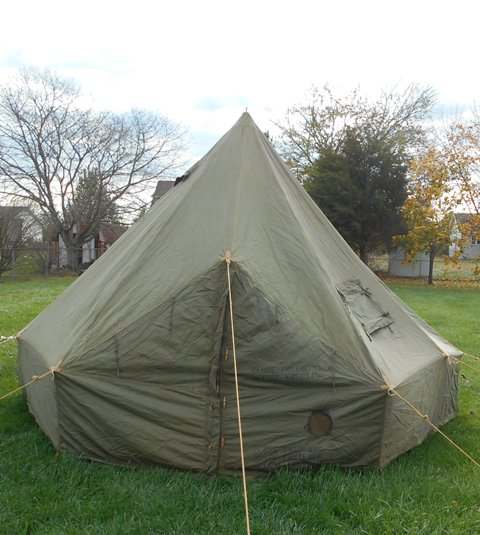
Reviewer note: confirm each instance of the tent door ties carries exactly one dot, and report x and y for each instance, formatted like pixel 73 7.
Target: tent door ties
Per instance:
pixel 217 380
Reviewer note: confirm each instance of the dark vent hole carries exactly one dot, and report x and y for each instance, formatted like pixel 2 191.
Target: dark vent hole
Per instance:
pixel 319 423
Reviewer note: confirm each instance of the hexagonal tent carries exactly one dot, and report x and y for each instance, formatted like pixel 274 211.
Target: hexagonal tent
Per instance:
pixel 141 340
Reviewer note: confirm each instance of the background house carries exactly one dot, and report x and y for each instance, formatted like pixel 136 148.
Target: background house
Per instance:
pixel 107 234
pixel 472 248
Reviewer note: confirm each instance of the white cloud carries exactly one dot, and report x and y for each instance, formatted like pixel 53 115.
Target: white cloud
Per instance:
pixel 173 56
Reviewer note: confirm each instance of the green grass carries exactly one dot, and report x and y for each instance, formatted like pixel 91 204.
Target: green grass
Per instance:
pixel 430 490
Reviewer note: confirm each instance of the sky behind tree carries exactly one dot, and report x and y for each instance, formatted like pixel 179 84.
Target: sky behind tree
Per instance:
pixel 203 63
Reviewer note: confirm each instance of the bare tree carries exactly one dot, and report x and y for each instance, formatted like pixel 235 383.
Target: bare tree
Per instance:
pixel 321 125
pixel 49 142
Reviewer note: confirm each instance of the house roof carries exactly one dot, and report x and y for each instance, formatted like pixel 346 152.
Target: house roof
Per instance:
pixel 463 217
pixel 162 187
pixel 112 231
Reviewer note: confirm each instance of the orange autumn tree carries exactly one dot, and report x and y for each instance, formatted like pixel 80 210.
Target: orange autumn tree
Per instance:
pixel 429 208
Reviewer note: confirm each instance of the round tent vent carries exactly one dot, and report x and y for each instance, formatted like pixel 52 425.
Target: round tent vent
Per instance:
pixel 319 423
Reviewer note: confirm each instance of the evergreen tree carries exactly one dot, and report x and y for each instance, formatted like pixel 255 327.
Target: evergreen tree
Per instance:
pixel 361 188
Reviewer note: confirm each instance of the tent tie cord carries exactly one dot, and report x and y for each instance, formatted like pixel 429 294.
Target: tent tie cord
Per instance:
pixel 460 362
pixel 476 357
pixel 228 260
pixel 34 379
pixel 393 392
pixel 5 339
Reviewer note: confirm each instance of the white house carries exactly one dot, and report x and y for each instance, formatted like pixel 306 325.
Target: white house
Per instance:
pixel 107 234
pixel 472 249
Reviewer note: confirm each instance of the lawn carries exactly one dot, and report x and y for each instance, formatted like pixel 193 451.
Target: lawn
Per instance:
pixel 430 490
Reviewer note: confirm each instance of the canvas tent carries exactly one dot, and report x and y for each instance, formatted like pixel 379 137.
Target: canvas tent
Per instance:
pixel 142 351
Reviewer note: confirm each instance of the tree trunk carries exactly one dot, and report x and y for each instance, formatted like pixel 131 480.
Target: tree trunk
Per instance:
pixel 72 248
pixel 362 251
pixel 433 252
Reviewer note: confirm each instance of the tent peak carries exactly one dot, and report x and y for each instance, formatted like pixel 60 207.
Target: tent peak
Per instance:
pixel 246 117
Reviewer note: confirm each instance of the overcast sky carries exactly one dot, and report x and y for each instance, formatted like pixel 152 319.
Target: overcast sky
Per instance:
pixel 204 62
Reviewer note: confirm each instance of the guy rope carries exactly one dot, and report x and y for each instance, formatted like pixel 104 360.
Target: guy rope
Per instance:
pixel 35 378
pixel 228 260
pixel 392 392
pixel 472 356
pixel 5 339
pixel 461 362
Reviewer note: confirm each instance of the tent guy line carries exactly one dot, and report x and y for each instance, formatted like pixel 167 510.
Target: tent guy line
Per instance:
pixel 5 339
pixel 33 380
pixel 228 260
pixel 472 356
pixel 392 392
pixel 458 362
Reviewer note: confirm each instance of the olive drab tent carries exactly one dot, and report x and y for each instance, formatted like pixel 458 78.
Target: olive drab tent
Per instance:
pixel 140 345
